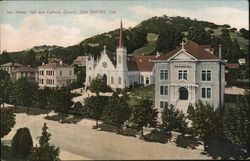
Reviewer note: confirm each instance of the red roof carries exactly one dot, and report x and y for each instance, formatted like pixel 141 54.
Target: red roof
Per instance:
pixel 232 65
pixel 135 63
pixel 193 49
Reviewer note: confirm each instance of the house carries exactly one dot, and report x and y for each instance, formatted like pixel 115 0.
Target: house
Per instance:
pixel 24 72
pixel 120 70
pixel 187 74
pixel 10 66
pixel 80 61
pixel 56 75
pixel 242 61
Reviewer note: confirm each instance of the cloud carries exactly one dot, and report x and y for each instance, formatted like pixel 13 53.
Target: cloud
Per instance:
pixel 219 15
pixel 34 30
pixel 95 24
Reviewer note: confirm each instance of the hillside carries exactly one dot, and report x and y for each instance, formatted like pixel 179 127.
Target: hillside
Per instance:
pixel 155 34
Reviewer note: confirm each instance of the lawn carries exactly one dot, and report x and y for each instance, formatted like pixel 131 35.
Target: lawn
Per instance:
pixel 140 92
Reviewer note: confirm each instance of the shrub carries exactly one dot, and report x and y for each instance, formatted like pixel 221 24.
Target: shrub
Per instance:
pixel 21 143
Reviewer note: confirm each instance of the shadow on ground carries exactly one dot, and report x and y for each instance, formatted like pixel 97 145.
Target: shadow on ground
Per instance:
pixel 66 119
pixel 115 128
pixel 188 142
pixel 158 136
pixel 29 111
pixel 220 148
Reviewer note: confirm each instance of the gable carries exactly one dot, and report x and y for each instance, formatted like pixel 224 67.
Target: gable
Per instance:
pixel 104 59
pixel 182 55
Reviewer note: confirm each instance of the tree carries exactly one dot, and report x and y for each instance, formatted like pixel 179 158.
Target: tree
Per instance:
pixel 78 109
pixel 173 118
pixel 144 115
pixel 60 100
pixel 4 57
pixel 46 151
pixel 94 106
pixel 117 110
pixel 4 75
pixel 22 92
pixel 236 121
pixel 21 143
pixel 168 39
pixel 40 99
pixel 7 121
pixel 98 85
pixel 206 122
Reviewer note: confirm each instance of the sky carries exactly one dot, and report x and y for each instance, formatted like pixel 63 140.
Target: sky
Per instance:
pixel 24 24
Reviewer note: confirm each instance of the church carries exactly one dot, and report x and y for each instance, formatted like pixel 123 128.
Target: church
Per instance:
pixel 120 70
pixel 189 73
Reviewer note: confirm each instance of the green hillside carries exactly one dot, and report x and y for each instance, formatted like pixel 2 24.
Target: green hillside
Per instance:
pixel 154 34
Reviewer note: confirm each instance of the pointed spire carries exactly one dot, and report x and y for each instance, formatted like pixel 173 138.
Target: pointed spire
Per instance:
pixel 120 36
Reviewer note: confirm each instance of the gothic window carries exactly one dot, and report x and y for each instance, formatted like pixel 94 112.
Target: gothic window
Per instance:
pixel 120 80
pixel 119 59
pixel 112 80
pixel 147 80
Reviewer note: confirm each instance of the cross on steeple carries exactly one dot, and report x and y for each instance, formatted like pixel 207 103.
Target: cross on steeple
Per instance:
pixel 182 44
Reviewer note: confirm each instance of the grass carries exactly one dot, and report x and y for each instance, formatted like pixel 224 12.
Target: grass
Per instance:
pixel 149 47
pixel 137 93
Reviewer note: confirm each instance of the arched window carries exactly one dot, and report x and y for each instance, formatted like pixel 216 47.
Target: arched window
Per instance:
pixel 120 80
pixel 147 80
pixel 112 80
pixel 119 59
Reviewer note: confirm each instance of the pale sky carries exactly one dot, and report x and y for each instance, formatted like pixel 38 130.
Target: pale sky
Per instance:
pixel 24 24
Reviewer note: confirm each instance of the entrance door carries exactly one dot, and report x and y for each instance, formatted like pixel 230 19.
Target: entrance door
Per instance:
pixel 183 93
pixel 104 78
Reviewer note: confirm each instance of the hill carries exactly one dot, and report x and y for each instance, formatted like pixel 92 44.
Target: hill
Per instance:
pixel 154 34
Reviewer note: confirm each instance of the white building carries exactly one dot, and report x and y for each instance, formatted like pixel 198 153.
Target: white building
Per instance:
pixel 29 73
pixel 80 61
pixel 56 75
pixel 120 70
pixel 187 74
pixel 10 66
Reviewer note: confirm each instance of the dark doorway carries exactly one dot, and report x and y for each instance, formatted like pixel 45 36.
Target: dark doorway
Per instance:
pixel 147 80
pixel 183 93
pixel 104 78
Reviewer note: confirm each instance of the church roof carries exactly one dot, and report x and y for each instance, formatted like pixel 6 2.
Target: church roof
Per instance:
pixel 145 63
pixel 135 63
pixel 193 49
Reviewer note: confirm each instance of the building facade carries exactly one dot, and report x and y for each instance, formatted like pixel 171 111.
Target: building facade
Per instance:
pixel 29 73
pixel 120 70
pixel 56 75
pixel 187 74
pixel 10 66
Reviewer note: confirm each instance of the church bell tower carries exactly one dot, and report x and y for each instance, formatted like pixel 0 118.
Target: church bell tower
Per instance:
pixel 121 61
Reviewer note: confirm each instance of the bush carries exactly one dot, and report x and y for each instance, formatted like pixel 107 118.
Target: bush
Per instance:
pixel 21 144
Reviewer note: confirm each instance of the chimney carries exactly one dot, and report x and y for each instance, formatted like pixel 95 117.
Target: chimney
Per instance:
pixel 220 51
pixel 120 36
pixel 60 62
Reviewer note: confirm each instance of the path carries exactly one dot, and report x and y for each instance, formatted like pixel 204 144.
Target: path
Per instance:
pixel 80 140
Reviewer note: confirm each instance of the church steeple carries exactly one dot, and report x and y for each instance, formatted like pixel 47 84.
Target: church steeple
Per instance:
pixel 120 36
